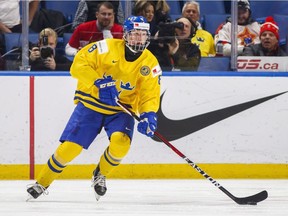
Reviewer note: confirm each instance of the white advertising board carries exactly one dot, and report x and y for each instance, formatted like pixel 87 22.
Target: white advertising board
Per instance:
pixel 254 130
pixel 262 63
pixel 14 120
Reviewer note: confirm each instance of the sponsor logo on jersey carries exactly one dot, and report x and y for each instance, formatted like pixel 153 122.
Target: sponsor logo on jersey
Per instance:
pixel 144 70
pixel 176 129
pixel 102 46
pixel 156 71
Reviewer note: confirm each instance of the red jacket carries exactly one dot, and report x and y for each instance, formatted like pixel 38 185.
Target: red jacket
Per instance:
pixel 88 31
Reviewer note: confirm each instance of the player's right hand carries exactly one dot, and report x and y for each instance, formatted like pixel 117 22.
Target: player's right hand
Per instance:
pixel 108 93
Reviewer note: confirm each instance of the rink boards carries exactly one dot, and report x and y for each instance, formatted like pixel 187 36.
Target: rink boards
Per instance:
pixel 242 130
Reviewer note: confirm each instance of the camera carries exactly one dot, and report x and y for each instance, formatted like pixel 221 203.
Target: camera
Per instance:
pixel 45 50
pixel 167 31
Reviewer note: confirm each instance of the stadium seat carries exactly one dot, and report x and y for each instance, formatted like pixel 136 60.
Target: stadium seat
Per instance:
pixel 175 16
pixel 15 40
pixel 281 7
pixel 68 8
pixel 211 7
pixel 214 64
pixel 66 38
pixel 12 40
pixel 212 21
pixel 175 9
pixel 282 22
pixel 268 8
pixel 33 38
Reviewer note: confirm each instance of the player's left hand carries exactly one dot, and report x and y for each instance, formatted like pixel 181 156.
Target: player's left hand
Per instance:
pixel 148 123
pixel 108 93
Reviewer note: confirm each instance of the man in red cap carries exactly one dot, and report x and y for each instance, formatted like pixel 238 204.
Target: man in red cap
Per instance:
pixel 269 37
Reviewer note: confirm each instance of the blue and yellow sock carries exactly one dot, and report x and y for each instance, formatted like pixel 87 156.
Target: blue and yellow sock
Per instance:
pixel 115 152
pixel 65 153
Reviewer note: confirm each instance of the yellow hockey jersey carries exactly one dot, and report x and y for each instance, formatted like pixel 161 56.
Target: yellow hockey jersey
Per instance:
pixel 205 42
pixel 137 82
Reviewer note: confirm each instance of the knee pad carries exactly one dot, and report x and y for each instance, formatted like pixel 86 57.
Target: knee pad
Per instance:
pixel 66 152
pixel 119 144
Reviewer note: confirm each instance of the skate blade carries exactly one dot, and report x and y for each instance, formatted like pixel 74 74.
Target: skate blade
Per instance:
pixel 97 196
pixel 29 198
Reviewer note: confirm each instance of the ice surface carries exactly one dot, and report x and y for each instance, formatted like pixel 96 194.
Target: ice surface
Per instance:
pixel 145 197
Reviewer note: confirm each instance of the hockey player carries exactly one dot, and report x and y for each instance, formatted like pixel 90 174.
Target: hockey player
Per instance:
pixel 248 31
pixel 107 70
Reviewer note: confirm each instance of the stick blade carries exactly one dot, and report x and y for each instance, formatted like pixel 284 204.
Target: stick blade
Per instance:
pixel 252 200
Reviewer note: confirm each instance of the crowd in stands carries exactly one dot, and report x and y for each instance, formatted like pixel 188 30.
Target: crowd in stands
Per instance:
pixel 179 40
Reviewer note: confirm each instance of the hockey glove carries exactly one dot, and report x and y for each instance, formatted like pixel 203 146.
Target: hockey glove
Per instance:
pixel 107 90
pixel 148 123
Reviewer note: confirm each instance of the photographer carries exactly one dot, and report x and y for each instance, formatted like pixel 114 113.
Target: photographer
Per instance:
pixel 43 56
pixel 173 48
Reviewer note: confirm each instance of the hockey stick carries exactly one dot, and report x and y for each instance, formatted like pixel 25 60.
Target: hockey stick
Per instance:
pixel 250 200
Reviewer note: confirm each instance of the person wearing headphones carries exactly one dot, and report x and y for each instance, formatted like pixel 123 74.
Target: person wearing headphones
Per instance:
pixel 173 46
pixel 202 38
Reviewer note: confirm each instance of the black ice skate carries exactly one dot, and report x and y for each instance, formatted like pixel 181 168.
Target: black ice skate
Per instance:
pixel 35 190
pixel 99 183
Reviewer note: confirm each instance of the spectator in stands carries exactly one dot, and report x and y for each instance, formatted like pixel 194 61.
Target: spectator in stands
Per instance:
pixel 269 37
pixel 248 30
pixel 103 27
pixel 87 8
pixel 173 47
pixel 162 10
pixel 10 20
pixel 147 10
pixel 44 58
pixel 154 11
pixel 202 38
